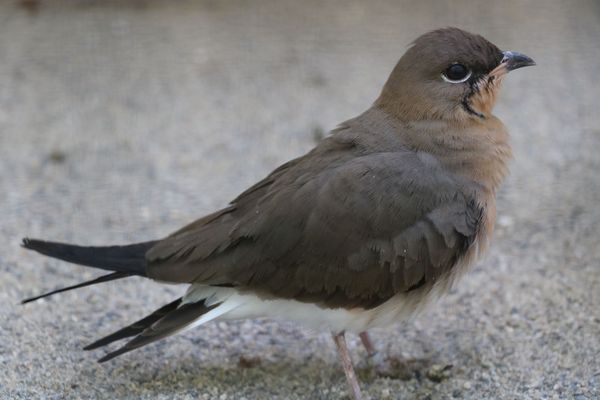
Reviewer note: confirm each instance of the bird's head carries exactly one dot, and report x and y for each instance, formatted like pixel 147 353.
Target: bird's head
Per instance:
pixel 448 74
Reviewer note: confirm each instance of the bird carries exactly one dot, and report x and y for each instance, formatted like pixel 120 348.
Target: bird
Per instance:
pixel 378 220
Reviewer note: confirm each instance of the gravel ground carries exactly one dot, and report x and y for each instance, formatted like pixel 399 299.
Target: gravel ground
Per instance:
pixel 121 121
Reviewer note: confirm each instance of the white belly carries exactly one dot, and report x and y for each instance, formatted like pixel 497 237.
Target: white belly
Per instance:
pixel 235 305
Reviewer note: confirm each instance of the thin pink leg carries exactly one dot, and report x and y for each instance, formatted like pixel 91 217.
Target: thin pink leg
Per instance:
pixel 366 341
pixel 340 342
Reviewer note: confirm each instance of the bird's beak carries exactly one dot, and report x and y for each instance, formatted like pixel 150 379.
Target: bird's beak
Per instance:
pixel 513 60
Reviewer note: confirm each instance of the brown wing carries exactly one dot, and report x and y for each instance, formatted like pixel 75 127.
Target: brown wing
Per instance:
pixel 341 229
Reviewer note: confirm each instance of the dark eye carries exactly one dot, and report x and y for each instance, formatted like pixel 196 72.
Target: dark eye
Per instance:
pixel 456 73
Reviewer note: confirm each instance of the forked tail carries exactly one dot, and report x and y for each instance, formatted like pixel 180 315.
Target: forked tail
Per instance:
pixel 122 260
pixel 130 260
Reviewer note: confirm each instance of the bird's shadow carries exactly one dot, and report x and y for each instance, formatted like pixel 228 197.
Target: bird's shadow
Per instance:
pixel 245 375
pixel 273 362
pixel 195 377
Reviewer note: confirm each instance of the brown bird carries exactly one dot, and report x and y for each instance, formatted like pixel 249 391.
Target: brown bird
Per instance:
pixel 381 217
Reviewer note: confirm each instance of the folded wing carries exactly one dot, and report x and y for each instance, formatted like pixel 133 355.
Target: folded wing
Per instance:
pixel 351 233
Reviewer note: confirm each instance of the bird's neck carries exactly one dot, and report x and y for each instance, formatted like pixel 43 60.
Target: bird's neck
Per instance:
pixel 477 149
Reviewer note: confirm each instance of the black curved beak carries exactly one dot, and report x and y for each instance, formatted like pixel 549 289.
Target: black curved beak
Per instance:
pixel 514 60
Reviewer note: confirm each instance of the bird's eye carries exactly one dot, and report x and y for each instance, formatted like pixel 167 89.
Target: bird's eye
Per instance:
pixel 456 73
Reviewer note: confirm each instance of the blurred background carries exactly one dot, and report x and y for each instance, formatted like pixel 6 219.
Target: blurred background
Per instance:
pixel 122 120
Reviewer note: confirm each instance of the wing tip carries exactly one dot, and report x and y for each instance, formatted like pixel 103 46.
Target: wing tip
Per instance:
pixel 112 355
pixel 90 346
pixel 99 343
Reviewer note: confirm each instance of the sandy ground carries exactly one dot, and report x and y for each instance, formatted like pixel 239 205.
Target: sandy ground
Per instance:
pixel 120 121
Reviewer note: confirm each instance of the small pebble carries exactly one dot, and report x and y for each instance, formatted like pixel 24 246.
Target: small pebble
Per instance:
pixel 438 373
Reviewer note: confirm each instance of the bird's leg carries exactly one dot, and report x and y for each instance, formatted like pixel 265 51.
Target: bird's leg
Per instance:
pixel 340 342
pixel 366 341
pixel 375 361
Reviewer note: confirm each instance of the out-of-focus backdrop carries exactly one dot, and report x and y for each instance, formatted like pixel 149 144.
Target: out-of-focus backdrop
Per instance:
pixel 122 120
